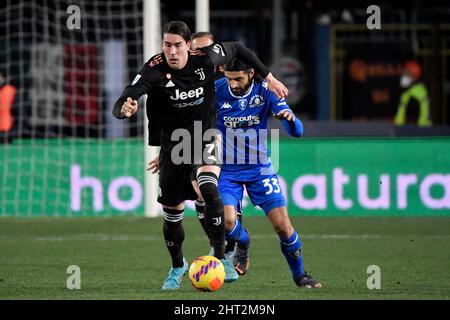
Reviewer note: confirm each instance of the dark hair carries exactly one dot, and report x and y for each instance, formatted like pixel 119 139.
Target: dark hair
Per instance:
pixel 178 27
pixel 201 34
pixel 238 65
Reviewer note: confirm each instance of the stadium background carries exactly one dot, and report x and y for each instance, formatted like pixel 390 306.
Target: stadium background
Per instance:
pixel 68 157
pixel 67 81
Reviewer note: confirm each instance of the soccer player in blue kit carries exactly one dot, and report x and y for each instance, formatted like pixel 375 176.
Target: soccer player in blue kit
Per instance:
pixel 243 106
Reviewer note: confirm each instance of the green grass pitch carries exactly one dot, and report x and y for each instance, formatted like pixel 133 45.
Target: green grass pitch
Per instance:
pixel 125 258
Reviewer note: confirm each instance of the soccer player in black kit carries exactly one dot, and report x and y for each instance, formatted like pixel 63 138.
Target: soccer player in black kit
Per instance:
pixel 180 88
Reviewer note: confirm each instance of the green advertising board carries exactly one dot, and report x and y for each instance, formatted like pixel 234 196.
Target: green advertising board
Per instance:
pixel 323 177
pixel 403 177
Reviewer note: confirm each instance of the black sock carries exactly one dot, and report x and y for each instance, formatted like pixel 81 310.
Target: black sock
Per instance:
pixel 174 235
pixel 207 183
pixel 230 246
pixel 200 208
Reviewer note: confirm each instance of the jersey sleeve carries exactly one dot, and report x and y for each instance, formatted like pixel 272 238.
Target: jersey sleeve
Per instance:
pixel 293 128
pixel 154 129
pixel 141 85
pixel 222 53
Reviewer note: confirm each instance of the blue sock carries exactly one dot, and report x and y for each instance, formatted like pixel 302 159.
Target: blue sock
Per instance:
pixel 292 250
pixel 239 233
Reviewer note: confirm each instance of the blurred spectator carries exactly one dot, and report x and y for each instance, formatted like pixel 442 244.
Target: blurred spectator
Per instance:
pixel 414 103
pixel 7 94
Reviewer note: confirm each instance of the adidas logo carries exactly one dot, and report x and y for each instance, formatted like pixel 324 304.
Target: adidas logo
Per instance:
pixel 170 84
pixel 226 105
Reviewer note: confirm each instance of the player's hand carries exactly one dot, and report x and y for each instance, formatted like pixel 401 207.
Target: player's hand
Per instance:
pixel 154 165
pixel 129 107
pixel 276 86
pixel 285 115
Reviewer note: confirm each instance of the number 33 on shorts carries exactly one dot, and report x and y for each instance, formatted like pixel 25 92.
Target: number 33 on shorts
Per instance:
pixel 272 185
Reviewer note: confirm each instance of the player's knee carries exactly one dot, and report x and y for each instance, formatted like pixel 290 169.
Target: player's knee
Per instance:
pixel 283 228
pixel 280 221
pixel 229 222
pixel 173 215
pixel 207 183
pixel 285 231
pixel 229 217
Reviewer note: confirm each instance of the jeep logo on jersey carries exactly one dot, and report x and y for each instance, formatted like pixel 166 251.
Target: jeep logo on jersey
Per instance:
pixel 200 73
pixel 183 95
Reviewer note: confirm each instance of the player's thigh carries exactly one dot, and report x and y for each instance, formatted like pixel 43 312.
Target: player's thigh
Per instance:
pixel 197 189
pixel 210 162
pixel 265 192
pixel 230 190
pixel 179 206
pixel 174 182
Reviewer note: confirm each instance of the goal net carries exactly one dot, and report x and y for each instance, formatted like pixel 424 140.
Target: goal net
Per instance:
pixel 65 154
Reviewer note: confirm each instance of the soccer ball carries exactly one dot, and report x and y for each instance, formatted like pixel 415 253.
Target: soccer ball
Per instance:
pixel 207 273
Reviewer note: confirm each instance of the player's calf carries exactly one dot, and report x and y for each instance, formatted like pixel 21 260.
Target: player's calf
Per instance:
pixel 174 235
pixel 213 212
pixel 200 209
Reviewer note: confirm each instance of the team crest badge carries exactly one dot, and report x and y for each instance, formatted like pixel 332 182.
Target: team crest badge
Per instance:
pixel 242 104
pixel 200 73
pixel 256 101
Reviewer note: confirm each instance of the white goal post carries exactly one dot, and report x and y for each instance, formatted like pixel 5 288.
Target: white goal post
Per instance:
pixel 152 45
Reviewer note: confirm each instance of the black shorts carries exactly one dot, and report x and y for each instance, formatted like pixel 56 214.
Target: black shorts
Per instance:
pixel 175 180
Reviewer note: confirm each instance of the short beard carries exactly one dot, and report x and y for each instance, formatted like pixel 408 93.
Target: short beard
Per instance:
pixel 241 92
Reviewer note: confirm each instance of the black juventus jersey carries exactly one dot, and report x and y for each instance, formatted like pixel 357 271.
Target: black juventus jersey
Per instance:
pixel 177 98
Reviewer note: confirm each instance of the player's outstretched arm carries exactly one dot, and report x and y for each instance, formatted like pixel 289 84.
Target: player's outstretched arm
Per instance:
pixel 127 104
pixel 222 53
pixel 290 122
